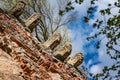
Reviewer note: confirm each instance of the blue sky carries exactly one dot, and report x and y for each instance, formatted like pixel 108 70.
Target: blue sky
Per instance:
pixel 94 59
pixel 81 30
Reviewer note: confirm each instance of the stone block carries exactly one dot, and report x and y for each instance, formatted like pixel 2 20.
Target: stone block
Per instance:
pixel 76 60
pixel 63 52
pixel 18 9
pixel 52 41
pixel 32 21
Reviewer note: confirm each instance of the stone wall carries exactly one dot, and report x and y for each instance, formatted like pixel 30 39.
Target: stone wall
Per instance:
pixel 23 57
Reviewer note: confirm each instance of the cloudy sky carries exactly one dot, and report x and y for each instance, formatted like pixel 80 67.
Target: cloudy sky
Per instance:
pixel 94 59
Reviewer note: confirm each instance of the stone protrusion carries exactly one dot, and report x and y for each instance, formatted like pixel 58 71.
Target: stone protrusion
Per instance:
pixel 32 21
pixel 76 60
pixel 63 52
pixel 18 9
pixel 52 41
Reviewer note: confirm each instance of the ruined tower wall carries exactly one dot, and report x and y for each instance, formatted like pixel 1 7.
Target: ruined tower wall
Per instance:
pixel 23 57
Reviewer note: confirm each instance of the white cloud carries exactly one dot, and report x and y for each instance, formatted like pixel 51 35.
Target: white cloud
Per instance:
pixel 77 41
pixel 103 57
pixel 89 62
pixel 71 34
pixel 82 8
pixel 95 69
pixel 80 38
pixel 103 4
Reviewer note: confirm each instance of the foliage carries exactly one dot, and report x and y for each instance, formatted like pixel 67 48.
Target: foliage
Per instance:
pixel 109 27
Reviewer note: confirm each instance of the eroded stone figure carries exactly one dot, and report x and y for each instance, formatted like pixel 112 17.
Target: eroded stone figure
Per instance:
pixel 52 41
pixel 76 60
pixel 32 21
pixel 18 9
pixel 63 52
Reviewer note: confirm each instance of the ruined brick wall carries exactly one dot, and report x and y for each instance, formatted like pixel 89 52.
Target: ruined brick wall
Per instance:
pixel 23 57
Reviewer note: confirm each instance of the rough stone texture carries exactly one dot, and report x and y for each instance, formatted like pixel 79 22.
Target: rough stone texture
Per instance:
pixel 30 61
pixel 18 9
pixel 52 41
pixel 32 21
pixel 63 52
pixel 9 69
pixel 76 60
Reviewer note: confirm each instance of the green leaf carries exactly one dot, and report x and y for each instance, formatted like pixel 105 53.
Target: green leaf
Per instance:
pixel 90 10
pixel 104 31
pixel 102 12
pixel 117 4
pixel 105 68
pixel 61 12
pixel 67 9
pixel 108 11
pixel 86 19
pixel 109 4
pixel 109 35
pixel 91 74
pixel 94 25
pixel 79 1
pixel 76 1
pixel 98 45
pixel 69 3
pixel 92 2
